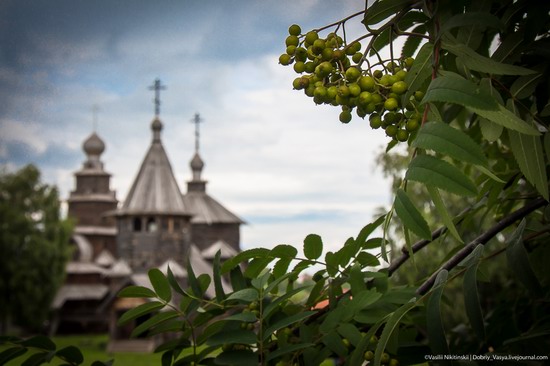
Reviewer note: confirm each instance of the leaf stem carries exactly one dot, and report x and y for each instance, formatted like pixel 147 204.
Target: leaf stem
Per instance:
pixel 483 239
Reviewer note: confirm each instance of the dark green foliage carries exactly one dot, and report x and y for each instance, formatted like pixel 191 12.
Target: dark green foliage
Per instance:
pixel 34 246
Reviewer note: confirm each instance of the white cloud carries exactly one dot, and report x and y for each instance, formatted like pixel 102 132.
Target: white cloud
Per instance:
pixel 28 133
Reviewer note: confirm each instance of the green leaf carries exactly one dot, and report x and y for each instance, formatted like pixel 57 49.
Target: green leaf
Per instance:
pixel 525 86
pixel 218 285
pixel 472 18
pixel 284 322
pixel 410 216
pixel 11 353
pixel 192 279
pixel 420 71
pixel 238 281
pixel 390 326
pixel 313 246
pixel 436 172
pixel 491 131
pixel 240 336
pixel 504 117
pixel 136 291
pixel 412 42
pixel 367 259
pixel 36 359
pixel 528 152
pixel 508 47
pixel 247 295
pixel 518 261
pixel 172 280
pixel 256 266
pixel 284 251
pixel 332 262
pixel 160 284
pixel 244 256
pixel 442 138
pixel 291 348
pixel 474 61
pixel 489 173
pixel 140 310
pixel 452 88
pixel 281 267
pixel 71 354
pixel 279 300
pixel 442 209
pixel 356 279
pixel 153 321
pixel 369 229
pixel 381 40
pixel 434 322
pixel 471 296
pixel 380 10
pixel 334 342
pixel 363 300
pixel 39 341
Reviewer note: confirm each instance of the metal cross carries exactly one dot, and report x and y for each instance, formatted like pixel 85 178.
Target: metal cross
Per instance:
pixel 95 109
pixel 157 87
pixel 196 120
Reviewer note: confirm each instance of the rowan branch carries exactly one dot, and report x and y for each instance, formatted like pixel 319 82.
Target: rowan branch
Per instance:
pixel 482 239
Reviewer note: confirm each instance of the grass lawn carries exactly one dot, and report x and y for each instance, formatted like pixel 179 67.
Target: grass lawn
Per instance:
pixel 93 348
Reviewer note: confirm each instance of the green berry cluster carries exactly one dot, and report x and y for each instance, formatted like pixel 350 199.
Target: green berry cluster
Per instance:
pixel 331 73
pixel 385 359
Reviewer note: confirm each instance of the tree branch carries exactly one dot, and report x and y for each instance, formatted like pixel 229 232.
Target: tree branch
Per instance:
pixel 482 239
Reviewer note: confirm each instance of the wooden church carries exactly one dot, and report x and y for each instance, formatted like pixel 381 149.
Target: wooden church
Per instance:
pixel 155 227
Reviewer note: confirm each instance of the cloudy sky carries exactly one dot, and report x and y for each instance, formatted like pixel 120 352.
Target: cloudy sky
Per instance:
pixel 286 166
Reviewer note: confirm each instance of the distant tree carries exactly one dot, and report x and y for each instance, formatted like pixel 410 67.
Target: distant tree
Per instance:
pixel 33 246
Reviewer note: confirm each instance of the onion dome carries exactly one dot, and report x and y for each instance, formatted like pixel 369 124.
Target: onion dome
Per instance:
pixel 196 163
pixel 156 127
pixel 94 145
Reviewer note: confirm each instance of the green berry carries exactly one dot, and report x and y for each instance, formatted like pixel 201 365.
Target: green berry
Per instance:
pixel 357 56
pixel 352 74
pixel 390 104
pixel 375 121
pixel 311 37
pixel 418 95
pixel 385 358
pixel 399 87
pixel 291 41
pixel 412 125
pixel 300 54
pixel 285 59
pixel 294 30
pixel 354 89
pixel 369 356
pixel 299 67
pixel 402 135
pixel 409 62
pixel 366 83
pixel 345 116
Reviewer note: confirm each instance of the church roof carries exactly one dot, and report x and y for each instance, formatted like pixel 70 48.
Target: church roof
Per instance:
pixel 105 258
pixel 155 189
pixel 79 291
pixel 206 210
pixel 226 250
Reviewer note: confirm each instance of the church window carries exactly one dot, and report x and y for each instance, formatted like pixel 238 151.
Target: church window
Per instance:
pixel 137 224
pixel 151 225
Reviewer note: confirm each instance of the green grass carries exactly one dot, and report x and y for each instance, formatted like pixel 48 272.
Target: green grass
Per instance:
pixel 93 347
